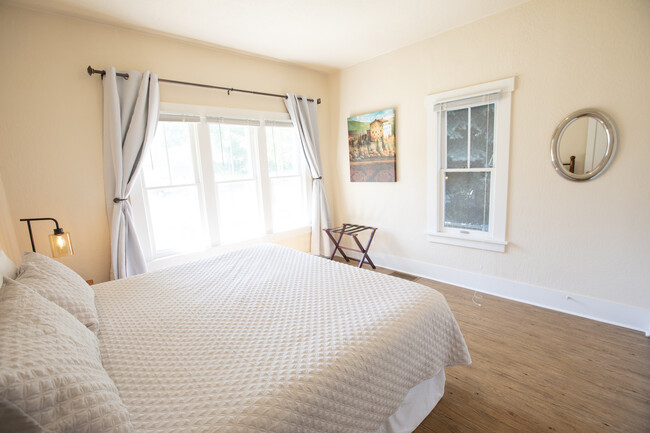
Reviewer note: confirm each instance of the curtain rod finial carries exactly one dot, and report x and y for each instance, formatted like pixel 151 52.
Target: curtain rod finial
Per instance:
pixel 92 71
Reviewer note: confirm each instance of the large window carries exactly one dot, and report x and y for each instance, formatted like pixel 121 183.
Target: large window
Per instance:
pixel 212 180
pixel 469 132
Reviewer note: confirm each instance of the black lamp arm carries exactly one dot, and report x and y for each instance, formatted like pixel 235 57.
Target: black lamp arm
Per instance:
pixel 57 231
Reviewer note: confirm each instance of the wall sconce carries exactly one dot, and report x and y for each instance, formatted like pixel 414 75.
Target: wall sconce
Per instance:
pixel 59 240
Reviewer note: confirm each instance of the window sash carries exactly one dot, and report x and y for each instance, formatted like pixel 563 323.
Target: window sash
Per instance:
pixel 150 233
pixel 487 197
pixel 464 104
pixel 443 149
pixel 252 138
pixel 268 178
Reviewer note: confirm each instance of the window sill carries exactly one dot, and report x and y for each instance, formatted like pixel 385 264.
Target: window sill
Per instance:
pixel 176 259
pixel 467 241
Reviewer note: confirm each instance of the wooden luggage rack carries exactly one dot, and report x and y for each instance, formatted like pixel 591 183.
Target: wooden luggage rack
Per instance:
pixel 353 231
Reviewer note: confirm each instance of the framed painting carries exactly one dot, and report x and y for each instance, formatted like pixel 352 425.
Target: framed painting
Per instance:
pixel 371 143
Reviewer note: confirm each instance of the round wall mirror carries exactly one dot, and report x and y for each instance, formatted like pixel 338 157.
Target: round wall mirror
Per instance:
pixel 583 145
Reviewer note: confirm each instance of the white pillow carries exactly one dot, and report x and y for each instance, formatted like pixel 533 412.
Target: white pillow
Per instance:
pixel 51 373
pixel 7 267
pixel 61 285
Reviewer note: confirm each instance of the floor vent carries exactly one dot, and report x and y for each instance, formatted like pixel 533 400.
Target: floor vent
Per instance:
pixel 403 276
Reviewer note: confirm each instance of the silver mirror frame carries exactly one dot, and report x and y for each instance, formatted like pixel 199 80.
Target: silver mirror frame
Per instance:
pixel 601 118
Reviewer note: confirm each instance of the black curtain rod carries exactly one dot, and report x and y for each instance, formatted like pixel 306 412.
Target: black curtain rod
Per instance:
pixel 124 75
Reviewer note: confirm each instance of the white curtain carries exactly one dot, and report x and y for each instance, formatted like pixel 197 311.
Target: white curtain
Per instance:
pixel 130 118
pixel 304 117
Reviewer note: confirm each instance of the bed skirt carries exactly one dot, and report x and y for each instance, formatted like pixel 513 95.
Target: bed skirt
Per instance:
pixel 417 405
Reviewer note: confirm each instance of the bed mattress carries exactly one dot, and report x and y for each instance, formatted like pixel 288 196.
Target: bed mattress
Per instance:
pixel 268 339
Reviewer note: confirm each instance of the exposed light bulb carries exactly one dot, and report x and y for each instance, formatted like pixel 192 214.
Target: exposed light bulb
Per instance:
pixel 61 244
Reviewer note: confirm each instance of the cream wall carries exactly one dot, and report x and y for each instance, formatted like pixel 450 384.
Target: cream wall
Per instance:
pixel 51 111
pixel 8 241
pixel 590 238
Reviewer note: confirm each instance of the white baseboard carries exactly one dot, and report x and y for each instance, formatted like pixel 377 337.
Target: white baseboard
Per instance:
pixel 626 316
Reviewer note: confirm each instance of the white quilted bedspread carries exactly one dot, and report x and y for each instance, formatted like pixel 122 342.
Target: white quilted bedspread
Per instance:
pixel 268 339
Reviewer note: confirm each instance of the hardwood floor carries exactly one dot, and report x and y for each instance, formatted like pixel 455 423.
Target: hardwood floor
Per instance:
pixel 537 370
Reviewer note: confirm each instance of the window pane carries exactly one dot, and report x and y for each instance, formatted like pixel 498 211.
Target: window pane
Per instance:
pixel 231 151
pixel 239 213
pixel 287 204
pixel 457 138
pixel 467 200
pixel 154 168
pixel 482 139
pixel 283 151
pixel 170 159
pixel 176 218
pixel 179 150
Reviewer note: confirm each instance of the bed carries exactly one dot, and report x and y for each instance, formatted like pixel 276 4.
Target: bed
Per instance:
pixel 263 339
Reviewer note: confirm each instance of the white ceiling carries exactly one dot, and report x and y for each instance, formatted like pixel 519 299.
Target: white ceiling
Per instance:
pixel 321 34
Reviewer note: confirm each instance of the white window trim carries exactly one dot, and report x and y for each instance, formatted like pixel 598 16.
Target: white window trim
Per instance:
pixel 203 169
pixel 495 239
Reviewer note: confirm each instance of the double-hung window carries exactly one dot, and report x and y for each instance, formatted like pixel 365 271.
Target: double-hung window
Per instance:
pixel 213 178
pixel 236 174
pixel 173 189
pixel 286 169
pixel 469 135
